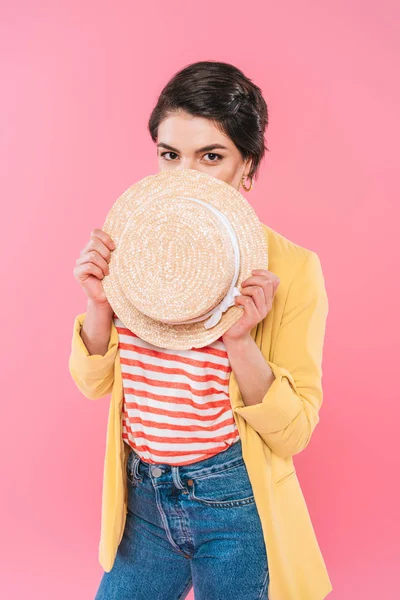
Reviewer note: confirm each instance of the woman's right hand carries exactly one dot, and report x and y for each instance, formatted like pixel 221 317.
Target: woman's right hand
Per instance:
pixel 92 266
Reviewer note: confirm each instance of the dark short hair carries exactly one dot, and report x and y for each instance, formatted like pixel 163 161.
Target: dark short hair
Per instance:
pixel 222 93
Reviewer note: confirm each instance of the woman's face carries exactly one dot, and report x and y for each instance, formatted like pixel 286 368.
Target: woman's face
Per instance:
pixel 187 142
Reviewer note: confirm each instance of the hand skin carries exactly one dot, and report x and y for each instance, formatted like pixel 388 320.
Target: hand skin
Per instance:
pixel 252 372
pixel 96 328
pixel 90 268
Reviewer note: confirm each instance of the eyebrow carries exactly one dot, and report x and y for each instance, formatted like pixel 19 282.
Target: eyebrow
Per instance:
pixel 208 148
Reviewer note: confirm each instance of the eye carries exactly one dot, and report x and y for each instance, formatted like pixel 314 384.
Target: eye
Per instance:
pixel 219 157
pixel 163 154
pixel 215 157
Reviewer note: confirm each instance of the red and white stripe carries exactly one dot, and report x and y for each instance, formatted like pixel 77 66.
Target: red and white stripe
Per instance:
pixel 176 402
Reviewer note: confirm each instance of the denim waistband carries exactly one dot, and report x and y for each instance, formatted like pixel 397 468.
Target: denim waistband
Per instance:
pixel 225 459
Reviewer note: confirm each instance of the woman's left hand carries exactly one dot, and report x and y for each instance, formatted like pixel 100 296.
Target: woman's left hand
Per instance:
pixel 257 295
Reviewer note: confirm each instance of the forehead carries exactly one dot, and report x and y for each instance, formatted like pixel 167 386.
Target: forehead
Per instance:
pixel 190 132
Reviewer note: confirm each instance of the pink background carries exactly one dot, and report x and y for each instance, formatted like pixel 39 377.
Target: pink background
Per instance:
pixel 78 82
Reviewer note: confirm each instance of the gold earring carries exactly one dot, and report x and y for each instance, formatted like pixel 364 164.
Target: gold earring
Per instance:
pixel 243 185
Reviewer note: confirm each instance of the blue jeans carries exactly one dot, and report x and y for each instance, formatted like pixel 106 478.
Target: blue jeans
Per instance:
pixel 194 525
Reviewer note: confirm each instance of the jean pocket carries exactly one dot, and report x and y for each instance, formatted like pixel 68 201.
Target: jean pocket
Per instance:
pixel 225 488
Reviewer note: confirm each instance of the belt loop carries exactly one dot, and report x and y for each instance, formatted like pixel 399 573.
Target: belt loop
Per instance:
pixel 175 477
pixel 136 464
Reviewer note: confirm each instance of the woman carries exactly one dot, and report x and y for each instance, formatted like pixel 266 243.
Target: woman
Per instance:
pixel 193 496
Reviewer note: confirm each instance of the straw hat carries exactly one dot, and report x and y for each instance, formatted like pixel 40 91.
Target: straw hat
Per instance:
pixel 184 243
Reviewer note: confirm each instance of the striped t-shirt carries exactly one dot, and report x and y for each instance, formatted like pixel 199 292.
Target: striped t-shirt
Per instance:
pixel 176 402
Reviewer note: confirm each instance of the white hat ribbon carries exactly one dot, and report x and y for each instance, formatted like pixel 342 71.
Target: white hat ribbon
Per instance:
pixel 218 311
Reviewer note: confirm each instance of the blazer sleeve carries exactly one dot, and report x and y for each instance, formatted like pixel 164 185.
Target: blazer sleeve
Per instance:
pixel 93 374
pixel 288 414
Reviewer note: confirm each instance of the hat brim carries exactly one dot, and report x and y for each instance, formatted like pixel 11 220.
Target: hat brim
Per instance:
pixel 248 229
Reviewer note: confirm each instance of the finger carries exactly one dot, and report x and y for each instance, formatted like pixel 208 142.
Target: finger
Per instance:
pixel 265 273
pixel 269 286
pixel 103 237
pixel 262 296
pixel 249 307
pixel 82 272
pixel 261 280
pixel 258 278
pixel 95 244
pixel 92 256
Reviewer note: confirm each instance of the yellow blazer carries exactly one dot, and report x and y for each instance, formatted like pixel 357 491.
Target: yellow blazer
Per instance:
pixel 291 339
